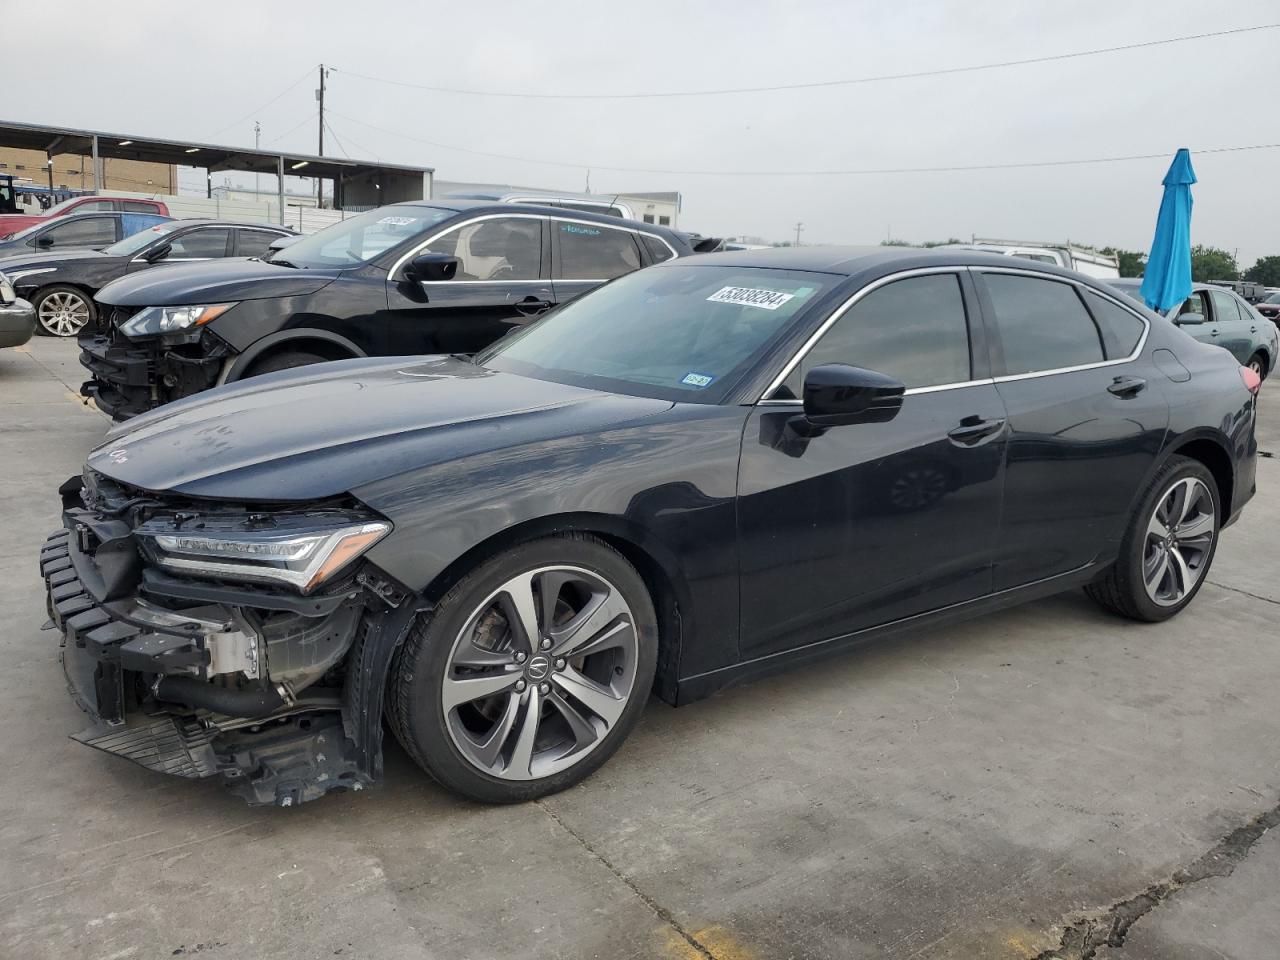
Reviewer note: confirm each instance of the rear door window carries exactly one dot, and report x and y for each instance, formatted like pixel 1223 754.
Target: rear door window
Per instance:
pixel 591 251
pixel 205 243
pixel 140 206
pixel 1043 324
pixel 256 243
pixel 1224 307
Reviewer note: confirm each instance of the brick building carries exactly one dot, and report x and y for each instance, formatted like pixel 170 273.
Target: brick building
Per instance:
pixel 74 172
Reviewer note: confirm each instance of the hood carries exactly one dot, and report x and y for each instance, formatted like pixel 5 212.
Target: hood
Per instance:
pixel 212 281
pixel 32 261
pixel 325 430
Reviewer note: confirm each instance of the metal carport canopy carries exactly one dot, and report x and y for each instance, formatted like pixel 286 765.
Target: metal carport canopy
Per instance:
pixel 102 144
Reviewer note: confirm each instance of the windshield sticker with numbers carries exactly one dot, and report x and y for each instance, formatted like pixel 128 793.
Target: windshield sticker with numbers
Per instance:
pixel 751 297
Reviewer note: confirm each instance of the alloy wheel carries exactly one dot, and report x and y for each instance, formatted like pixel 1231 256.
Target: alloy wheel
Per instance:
pixel 540 673
pixel 64 314
pixel 1180 537
pixel 1256 366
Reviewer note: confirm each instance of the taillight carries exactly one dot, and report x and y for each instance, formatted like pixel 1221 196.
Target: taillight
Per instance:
pixel 1251 380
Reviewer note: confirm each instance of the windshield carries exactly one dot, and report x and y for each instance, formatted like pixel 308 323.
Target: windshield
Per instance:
pixel 131 245
pixel 678 332
pixel 1274 298
pixel 361 238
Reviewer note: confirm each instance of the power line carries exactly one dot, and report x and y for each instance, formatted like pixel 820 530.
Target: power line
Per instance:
pixel 314 114
pixel 955 168
pixel 263 107
pixel 946 71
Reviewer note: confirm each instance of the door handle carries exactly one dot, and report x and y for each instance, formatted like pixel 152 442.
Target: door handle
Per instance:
pixel 1253 329
pixel 1127 386
pixel 532 306
pixel 974 430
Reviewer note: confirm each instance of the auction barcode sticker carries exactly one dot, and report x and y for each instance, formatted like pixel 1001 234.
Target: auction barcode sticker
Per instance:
pixel 751 297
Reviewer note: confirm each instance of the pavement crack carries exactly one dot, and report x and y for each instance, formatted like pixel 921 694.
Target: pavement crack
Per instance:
pixel 1108 928
pixel 661 912
pixel 1246 593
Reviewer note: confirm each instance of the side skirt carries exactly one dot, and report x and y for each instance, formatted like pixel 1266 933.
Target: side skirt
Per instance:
pixel 704 684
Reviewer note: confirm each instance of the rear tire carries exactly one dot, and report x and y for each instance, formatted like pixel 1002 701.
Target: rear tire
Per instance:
pixel 63 311
pixel 501 718
pixel 1258 364
pixel 1168 546
pixel 284 360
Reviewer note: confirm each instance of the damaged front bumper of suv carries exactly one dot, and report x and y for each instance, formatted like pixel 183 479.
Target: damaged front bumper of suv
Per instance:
pixel 129 377
pixel 274 689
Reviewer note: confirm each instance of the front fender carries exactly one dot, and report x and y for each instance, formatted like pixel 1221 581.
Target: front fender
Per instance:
pixel 281 338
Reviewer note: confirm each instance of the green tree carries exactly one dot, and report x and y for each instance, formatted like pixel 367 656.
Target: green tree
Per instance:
pixel 1266 272
pixel 1210 263
pixel 1132 262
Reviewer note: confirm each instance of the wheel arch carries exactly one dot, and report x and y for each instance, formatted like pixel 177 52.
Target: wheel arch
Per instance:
pixel 331 346
pixel 657 566
pixel 1214 454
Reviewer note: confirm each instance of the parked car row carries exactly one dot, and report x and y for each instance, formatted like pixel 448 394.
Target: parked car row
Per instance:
pixel 693 475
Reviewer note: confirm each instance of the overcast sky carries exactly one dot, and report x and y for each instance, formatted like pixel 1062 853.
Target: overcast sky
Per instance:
pixel 161 69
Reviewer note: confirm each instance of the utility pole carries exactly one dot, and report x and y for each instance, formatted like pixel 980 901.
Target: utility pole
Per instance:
pixel 320 153
pixel 257 142
pixel 799 227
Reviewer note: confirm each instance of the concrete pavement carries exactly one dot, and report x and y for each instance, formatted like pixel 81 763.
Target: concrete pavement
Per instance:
pixel 1008 788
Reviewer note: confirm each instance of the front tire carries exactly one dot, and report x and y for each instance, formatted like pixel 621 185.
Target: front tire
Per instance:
pixel 529 673
pixel 63 311
pixel 1168 547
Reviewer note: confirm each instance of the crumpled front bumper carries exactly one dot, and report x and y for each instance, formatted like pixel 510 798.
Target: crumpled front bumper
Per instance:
pixel 112 655
pixel 127 379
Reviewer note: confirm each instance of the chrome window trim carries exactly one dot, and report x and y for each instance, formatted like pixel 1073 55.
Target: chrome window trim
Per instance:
pixel 909 392
pixel 840 312
pixel 1114 298
pixel 391 274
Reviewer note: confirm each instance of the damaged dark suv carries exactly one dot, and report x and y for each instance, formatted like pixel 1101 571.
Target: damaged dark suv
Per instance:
pixel 431 276
pixel 695 475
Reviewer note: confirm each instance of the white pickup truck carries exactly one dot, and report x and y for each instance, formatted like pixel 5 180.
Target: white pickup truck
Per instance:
pixel 1081 259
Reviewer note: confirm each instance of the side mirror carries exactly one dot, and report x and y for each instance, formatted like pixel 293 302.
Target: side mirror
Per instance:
pixel 836 394
pixel 281 242
pixel 46 242
pixel 431 267
pixel 1189 319
pixel 157 254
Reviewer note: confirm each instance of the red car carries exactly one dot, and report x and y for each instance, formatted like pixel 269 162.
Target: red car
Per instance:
pixel 1270 308
pixel 11 223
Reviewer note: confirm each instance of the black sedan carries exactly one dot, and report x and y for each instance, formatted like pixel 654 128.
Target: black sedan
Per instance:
pixel 62 283
pixel 698 474
pixel 439 276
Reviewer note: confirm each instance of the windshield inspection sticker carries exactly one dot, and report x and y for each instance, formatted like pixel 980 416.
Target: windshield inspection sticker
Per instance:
pixel 698 379
pixel 751 297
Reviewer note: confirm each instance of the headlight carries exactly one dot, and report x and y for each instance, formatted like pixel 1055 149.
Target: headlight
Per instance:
pixel 154 321
pixel 303 560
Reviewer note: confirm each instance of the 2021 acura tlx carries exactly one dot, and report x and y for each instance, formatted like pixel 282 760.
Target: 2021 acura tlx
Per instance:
pixel 696 474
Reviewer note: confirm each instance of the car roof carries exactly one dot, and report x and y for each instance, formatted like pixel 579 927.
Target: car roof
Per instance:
pixel 465 205
pixel 848 261
pixel 1196 285
pixel 206 221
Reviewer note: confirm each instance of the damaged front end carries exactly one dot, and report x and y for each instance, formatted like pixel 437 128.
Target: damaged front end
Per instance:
pixel 246 642
pixel 132 376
